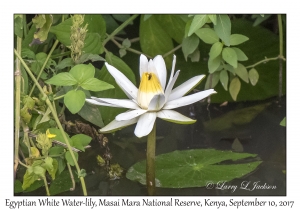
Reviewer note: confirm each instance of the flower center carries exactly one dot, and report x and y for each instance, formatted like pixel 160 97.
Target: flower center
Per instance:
pixel 149 87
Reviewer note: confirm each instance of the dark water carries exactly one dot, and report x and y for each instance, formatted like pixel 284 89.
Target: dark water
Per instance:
pixel 262 136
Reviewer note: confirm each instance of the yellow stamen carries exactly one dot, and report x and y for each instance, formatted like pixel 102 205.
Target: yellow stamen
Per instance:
pixel 149 87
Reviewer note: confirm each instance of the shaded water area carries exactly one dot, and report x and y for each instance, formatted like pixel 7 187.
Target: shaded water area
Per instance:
pixel 262 136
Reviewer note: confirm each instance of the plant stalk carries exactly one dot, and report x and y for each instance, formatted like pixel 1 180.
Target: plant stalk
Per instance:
pixel 280 54
pixel 46 186
pixel 49 104
pixel 150 163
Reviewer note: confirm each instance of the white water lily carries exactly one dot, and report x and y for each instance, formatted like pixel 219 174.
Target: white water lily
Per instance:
pixel 154 98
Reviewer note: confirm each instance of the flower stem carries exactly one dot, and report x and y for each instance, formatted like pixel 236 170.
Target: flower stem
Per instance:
pixel 150 168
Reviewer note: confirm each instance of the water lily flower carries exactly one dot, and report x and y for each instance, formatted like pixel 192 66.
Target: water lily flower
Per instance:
pixel 154 98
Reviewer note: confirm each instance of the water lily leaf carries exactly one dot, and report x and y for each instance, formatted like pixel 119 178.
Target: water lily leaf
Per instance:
pixel 189 45
pixel 223 28
pixel 154 40
pixel 234 118
pixel 74 100
pixel 194 168
pixel 234 88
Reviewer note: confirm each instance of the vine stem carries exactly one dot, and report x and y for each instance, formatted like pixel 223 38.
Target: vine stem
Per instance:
pixel 117 30
pixel 265 60
pixel 44 64
pixel 150 162
pixel 49 104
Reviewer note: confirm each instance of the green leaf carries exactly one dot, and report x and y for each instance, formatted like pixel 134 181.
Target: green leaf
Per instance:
pixel 94 84
pixel 223 28
pixel 240 54
pixel 67 62
pixel 90 57
pixel 147 16
pixel 234 88
pixel 207 35
pixel 74 100
pixel 230 56
pixel 18 26
pixel 283 122
pixel 154 40
pixel 242 72
pixel 189 45
pixel 197 22
pixel 51 166
pixel 109 113
pixel 59 136
pixel 43 24
pixel 253 76
pixel 62 79
pixel 213 19
pixel 82 72
pixel 224 79
pixel 194 168
pixel 213 79
pixel 215 50
pixel 29 178
pixel 80 141
pixel 62 183
pixel 70 159
pixel 56 150
pixel 173 25
pixel 213 64
pixel 236 39
pixel 27 53
pixel 92 114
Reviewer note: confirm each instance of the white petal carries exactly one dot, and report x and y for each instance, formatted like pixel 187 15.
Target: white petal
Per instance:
pixel 160 67
pixel 117 125
pixel 143 64
pixel 185 87
pixel 125 103
pixel 175 117
pixel 125 84
pixel 130 114
pixel 170 85
pixel 187 100
pixel 173 69
pixel 145 124
pixel 157 102
pixel 95 102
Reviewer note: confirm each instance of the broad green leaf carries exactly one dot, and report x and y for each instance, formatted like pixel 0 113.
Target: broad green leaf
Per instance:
pixel 109 113
pixel 94 84
pixel 38 63
pixel 242 72
pixel 63 31
pixel 230 56
pixel 223 28
pixel 234 118
pixel 17 186
pixel 74 100
pixel 92 57
pixel 189 45
pixel 111 24
pixel 62 79
pixel 56 150
pixel 70 159
pixel 51 166
pixel 194 168
pixel 93 44
pixel 92 114
pixel 253 76
pixel 229 68
pixel 18 26
pixel 198 22
pixel 80 141
pixel 213 19
pixel 154 40
pixel 236 39
pixel 173 25
pixel 27 53
pixel 215 50
pixel 187 27
pixel 82 72
pixel 240 54
pixel 207 35
pixel 234 88
pixel 29 178
pixel 212 80
pixel 67 62
pixel 224 79
pixel 213 64
pixel 43 24
pixel 62 183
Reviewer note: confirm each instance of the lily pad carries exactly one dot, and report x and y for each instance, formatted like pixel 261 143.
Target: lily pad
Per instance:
pixel 194 168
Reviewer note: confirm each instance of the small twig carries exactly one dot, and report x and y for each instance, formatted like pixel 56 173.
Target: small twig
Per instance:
pixel 131 40
pixel 72 177
pixel 265 60
pixel 172 51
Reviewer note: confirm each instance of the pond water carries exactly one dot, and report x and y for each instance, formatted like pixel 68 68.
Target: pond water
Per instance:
pixel 262 136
